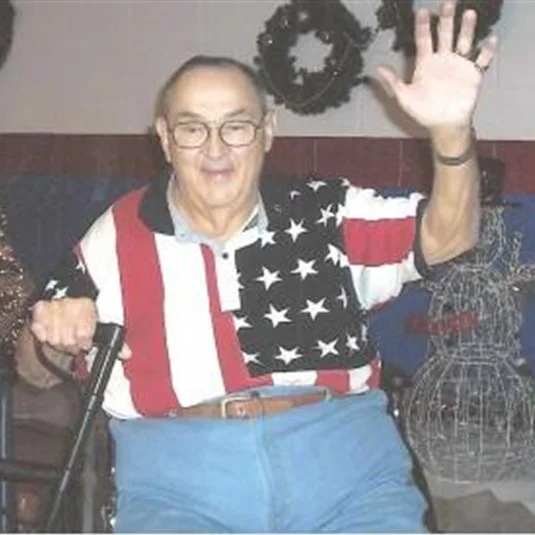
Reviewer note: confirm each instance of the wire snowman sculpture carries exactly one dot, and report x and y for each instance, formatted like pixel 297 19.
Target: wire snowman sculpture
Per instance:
pixel 469 413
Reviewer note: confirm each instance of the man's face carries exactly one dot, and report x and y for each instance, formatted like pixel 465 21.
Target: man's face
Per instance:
pixel 216 176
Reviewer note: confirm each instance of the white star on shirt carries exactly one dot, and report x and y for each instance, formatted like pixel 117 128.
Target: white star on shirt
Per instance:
pixel 294 193
pixel 267 238
pixel 60 293
pixel 351 343
pixel 342 296
pixel 328 348
pixel 51 284
pixel 295 229
pixel 288 355
pixel 364 332
pixel 80 266
pixel 315 184
pixel 326 214
pixel 268 277
pixel 277 316
pixel 239 283
pixel 314 308
pixel 333 255
pixel 340 215
pixel 240 323
pixel 251 357
pixel 305 268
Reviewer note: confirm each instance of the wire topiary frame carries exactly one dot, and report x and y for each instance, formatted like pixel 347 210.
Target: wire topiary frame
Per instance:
pixel 469 413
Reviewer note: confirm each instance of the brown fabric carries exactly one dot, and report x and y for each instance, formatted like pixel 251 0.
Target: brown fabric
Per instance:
pixel 38 442
pixel 248 407
pixel 29 506
pixel 29 366
pixel 45 443
pixel 16 287
pixel 43 420
pixel 57 406
pixel 482 513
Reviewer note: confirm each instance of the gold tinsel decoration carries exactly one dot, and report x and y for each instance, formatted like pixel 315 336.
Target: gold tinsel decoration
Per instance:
pixel 15 289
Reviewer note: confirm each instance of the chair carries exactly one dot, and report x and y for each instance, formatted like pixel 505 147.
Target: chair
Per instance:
pixel 6 487
pixel 72 503
pixel 82 499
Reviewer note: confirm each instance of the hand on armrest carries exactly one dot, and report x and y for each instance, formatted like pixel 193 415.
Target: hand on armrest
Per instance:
pixel 59 329
pixel 66 324
pixel 30 366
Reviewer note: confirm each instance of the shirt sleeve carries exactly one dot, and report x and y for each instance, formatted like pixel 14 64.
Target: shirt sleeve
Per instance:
pixel 69 278
pixel 83 271
pixel 382 242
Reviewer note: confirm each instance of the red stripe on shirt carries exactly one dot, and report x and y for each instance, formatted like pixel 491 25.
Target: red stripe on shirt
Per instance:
pixel 78 252
pixel 148 369
pixel 337 380
pixel 374 243
pixel 233 368
pixel 374 380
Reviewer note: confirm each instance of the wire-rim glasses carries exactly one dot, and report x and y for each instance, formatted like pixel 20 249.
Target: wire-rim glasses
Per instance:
pixel 232 132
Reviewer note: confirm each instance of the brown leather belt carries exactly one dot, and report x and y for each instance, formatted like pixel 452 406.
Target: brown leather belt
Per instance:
pixel 250 406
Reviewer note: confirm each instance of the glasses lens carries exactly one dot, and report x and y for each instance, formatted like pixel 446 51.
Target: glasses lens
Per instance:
pixel 238 133
pixel 190 135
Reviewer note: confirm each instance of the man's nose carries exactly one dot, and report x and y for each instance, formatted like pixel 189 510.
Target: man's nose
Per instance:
pixel 215 146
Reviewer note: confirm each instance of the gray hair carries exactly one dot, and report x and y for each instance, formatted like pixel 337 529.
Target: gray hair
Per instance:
pixel 162 101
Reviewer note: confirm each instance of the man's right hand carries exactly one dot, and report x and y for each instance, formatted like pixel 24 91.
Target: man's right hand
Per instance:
pixel 66 324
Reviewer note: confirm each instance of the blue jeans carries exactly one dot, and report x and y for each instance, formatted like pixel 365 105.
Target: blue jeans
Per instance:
pixel 333 466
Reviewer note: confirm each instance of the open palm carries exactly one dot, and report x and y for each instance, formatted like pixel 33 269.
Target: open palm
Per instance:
pixel 445 83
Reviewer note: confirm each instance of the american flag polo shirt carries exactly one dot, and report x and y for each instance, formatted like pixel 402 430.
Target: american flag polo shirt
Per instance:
pixel 280 304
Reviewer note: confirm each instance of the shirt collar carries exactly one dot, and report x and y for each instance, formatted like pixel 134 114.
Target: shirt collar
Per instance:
pixel 156 212
pixel 183 233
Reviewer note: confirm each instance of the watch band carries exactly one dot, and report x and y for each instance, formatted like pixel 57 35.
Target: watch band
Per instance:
pixel 453 161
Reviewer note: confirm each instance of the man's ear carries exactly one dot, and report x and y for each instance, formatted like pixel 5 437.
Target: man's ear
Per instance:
pixel 163 133
pixel 270 126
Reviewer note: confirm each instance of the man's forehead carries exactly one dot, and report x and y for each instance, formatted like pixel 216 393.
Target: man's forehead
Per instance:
pixel 204 89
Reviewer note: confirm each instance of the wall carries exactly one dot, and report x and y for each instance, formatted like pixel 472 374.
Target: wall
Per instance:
pixel 387 162
pixel 89 66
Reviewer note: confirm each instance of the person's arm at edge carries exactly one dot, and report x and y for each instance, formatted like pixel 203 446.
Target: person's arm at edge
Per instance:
pixel 64 315
pixel 450 223
pixel 441 96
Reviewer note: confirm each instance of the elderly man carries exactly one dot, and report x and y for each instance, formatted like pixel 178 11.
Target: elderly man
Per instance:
pixel 247 399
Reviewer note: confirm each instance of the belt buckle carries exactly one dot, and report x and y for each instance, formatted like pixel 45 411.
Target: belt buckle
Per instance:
pixel 223 404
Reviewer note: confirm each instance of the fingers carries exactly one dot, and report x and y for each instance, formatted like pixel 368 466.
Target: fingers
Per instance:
pixel 446 30
pixel 486 53
pixel 388 79
pixel 66 324
pixel 465 40
pixel 422 33
pixel 446 26
pixel 125 352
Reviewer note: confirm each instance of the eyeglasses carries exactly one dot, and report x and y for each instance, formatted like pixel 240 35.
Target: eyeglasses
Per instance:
pixel 234 133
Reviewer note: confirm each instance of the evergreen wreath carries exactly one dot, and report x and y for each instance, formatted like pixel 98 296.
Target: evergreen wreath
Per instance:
pixel 311 92
pixel 7 14
pixel 399 16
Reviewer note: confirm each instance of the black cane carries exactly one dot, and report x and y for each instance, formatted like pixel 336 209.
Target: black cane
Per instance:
pixel 108 339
